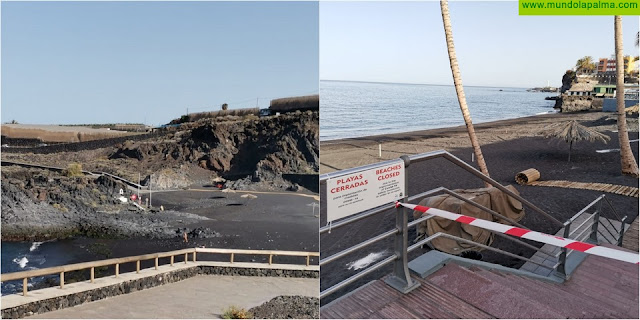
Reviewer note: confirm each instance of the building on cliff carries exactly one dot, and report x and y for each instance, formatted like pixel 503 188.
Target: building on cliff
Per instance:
pixel 581 89
pixel 295 103
pixel 609 65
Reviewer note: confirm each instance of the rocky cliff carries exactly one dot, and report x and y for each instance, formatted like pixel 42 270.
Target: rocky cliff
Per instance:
pixel 262 148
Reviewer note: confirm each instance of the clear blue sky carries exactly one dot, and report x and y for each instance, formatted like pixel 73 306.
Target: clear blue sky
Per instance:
pixel 404 42
pixel 105 62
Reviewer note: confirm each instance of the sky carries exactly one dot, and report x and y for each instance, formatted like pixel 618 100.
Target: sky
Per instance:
pixel 404 42
pixel 114 62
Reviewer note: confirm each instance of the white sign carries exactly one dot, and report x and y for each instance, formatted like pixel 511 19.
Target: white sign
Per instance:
pixel 121 192
pixel 360 191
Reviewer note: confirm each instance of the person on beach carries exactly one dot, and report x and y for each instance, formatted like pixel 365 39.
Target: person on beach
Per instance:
pixel 186 237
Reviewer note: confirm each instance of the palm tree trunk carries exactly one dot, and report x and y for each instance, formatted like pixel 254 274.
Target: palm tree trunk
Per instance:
pixel 457 81
pixel 628 161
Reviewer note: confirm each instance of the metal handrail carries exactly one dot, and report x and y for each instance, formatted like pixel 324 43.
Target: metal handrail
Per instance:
pixel 357 276
pixel 579 236
pixel 415 246
pixel 605 227
pixel 471 242
pixel 516 240
pixel 455 160
pixel 483 208
pixel 612 226
pixel 603 236
pixel 592 227
pixel 433 155
pixel 588 220
pixel 402 280
pixel 420 220
pixel 358 246
pixel 612 208
pixel 377 210
pixel 583 210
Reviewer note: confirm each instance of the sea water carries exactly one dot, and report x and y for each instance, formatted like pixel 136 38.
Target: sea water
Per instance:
pixel 23 256
pixel 358 109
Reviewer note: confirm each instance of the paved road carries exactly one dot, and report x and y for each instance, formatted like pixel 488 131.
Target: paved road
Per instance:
pixel 196 298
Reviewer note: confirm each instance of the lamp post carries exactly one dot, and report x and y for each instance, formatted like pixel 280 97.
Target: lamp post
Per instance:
pixel 150 190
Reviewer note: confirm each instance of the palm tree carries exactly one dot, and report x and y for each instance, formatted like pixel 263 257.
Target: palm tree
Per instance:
pixel 585 65
pixel 457 81
pixel 628 161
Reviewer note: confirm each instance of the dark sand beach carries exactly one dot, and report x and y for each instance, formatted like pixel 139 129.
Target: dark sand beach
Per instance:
pixel 508 146
pixel 270 221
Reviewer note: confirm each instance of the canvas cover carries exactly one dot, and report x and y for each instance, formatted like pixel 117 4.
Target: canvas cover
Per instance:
pixel 491 198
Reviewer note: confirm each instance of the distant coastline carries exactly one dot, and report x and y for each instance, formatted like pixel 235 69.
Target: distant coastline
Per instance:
pixel 420 84
pixel 416 107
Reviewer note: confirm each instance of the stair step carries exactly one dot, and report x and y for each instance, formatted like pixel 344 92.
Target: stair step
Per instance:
pixel 577 295
pixel 598 296
pixel 395 310
pixel 615 288
pixel 555 299
pixel 603 269
pixel 449 303
pixel 491 297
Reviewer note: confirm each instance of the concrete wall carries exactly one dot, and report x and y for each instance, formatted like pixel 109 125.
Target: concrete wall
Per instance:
pixel 609 104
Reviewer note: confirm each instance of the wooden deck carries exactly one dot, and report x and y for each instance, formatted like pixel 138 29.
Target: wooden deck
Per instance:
pixel 600 288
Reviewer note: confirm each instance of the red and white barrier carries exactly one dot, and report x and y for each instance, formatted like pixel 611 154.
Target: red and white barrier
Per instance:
pixel 528 234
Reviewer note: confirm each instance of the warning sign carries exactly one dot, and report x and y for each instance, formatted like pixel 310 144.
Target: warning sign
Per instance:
pixel 360 191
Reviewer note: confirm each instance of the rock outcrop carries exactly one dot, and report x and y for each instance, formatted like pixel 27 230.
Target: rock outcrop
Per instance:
pixel 261 148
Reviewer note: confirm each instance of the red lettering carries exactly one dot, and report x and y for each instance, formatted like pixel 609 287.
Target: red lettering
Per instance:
pixel 388 175
pixel 350 186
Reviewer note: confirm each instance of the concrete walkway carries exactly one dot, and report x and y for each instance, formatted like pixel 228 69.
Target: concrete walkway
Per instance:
pixel 204 296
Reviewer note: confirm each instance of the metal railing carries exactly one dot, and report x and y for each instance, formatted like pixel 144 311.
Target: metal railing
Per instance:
pixel 116 262
pixel 588 230
pixel 400 278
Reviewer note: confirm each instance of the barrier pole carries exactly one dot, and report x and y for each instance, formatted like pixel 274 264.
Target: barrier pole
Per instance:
pixel 561 270
pixel 401 279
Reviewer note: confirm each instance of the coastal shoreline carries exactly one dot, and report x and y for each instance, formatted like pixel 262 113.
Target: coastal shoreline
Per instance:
pixel 352 152
pixel 445 130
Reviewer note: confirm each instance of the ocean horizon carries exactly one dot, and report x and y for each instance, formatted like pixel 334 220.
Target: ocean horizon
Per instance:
pixel 352 109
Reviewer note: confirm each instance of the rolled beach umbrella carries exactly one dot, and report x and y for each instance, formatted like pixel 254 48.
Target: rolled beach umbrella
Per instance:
pixel 572 131
pixel 227 190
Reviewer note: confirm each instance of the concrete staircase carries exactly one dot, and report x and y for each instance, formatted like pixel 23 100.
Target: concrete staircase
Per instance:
pixel 598 288
pixel 605 227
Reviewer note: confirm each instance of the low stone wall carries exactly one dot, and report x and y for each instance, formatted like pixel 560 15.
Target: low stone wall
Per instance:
pixel 20 142
pixel 82 146
pixel 145 283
